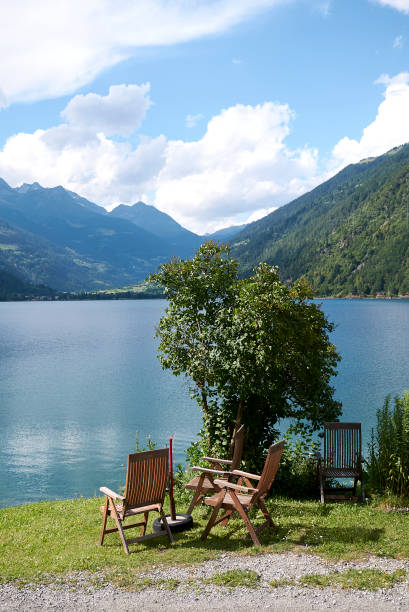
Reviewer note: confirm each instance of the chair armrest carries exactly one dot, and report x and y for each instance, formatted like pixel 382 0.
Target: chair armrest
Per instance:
pixel 110 493
pixel 229 485
pixel 203 470
pixel 214 460
pixel 245 474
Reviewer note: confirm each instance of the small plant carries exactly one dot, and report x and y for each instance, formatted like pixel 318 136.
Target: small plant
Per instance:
pixel 180 478
pixel 365 579
pixel 388 462
pixel 150 445
pixel 168 584
pixel 236 578
pixel 275 584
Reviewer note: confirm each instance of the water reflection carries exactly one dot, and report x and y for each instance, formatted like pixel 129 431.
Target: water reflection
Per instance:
pixel 77 380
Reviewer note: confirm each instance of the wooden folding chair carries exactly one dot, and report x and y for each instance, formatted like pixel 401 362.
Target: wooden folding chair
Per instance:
pixel 240 498
pixel 203 484
pixel 342 459
pixel 146 480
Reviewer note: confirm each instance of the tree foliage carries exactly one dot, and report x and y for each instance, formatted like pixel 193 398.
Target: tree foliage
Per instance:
pixel 255 350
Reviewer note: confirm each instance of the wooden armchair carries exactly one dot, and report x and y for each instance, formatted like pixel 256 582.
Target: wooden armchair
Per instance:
pixel 146 480
pixel 242 497
pixel 203 483
pixel 342 459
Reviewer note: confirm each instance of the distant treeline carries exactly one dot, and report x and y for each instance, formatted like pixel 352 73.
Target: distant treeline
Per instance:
pixel 66 297
pixel 123 295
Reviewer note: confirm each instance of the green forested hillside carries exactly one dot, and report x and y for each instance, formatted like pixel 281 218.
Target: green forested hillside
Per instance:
pixel 13 288
pixel 349 236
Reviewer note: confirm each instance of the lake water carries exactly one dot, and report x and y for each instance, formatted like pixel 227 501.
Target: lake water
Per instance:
pixel 78 379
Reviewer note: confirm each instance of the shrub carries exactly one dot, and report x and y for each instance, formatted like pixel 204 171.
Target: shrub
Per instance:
pixel 297 475
pixel 388 462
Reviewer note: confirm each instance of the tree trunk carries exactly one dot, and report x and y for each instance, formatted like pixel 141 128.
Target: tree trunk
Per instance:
pixel 239 416
pixel 204 402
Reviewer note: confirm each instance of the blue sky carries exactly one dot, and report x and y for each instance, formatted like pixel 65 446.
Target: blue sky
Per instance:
pixel 214 111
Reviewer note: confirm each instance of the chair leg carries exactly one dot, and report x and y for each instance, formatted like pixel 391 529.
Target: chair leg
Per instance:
pixel 322 490
pixel 117 520
pixel 226 518
pixel 245 518
pixel 362 490
pixel 198 494
pixel 266 513
pixel 145 517
pixel 165 524
pixel 214 514
pixel 104 522
pixel 197 497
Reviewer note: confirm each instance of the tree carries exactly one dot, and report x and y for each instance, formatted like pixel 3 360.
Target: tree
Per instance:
pixel 255 350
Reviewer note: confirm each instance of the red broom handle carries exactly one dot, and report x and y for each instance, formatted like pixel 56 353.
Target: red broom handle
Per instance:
pixel 172 501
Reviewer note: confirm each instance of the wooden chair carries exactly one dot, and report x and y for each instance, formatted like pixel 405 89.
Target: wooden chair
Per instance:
pixel 239 498
pixel 146 480
pixel 203 484
pixel 342 459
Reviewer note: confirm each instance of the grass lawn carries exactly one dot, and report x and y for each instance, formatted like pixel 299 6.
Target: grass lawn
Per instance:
pixel 49 539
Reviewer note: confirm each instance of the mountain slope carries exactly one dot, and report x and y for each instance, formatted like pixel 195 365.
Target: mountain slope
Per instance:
pixel 158 223
pixel 13 288
pixel 226 233
pixel 55 237
pixel 37 261
pixel 162 225
pixel 350 235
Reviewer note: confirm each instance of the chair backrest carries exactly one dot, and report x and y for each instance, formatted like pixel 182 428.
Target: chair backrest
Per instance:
pixel 342 445
pixel 238 440
pixel 270 469
pixel 146 478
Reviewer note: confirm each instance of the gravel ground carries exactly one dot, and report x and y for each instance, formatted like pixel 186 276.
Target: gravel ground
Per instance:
pixel 78 593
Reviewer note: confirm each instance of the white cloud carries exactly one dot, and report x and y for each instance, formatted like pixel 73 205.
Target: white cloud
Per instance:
pixel 241 165
pixel 99 169
pixel 398 42
pixel 260 213
pixel 191 120
pixel 389 129
pixel 240 170
pixel 80 155
pixel 400 5
pixel 49 48
pixel 3 100
pixel 120 112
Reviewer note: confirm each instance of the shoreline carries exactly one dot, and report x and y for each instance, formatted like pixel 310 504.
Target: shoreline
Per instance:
pixel 94 298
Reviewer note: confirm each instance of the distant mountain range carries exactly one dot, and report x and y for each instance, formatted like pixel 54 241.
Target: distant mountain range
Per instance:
pixel 56 238
pixel 349 236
